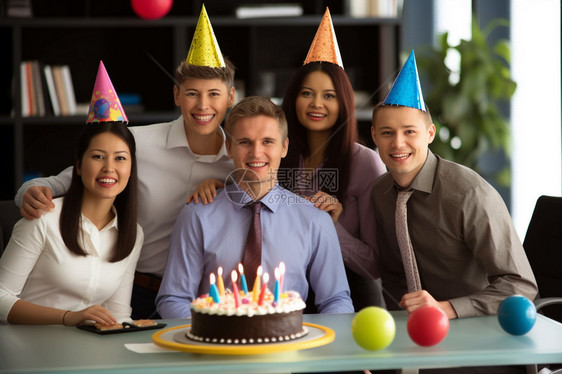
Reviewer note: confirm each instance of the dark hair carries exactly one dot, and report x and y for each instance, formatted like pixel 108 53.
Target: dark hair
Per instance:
pixel 252 106
pixel 343 134
pixel 186 71
pixel 125 203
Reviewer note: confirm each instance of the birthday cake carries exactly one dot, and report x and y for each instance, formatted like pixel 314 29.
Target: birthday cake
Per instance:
pixel 246 321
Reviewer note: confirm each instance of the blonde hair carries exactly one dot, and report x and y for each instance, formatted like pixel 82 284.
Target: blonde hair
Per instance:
pixel 186 71
pixel 253 106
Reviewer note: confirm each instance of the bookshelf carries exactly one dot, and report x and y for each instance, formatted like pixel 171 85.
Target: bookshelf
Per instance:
pixel 265 51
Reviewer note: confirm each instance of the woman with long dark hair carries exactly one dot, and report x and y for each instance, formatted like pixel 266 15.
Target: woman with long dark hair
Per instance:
pixel 76 263
pixel 327 164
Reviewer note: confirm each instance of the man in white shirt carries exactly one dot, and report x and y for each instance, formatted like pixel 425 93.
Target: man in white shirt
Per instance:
pixel 173 159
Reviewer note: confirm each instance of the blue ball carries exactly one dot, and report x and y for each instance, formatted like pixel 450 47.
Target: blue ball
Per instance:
pixel 517 315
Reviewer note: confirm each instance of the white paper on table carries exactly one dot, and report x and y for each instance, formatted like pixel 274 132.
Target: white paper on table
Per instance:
pixel 145 348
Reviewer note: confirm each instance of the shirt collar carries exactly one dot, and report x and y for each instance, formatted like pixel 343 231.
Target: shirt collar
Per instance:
pixel 223 152
pixel 176 135
pixel 177 138
pixel 86 223
pixel 273 199
pixel 424 180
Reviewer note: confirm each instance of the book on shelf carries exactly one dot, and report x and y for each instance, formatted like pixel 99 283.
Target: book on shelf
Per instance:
pixel 38 96
pixel 59 87
pixel 24 91
pixel 69 90
pixel 30 97
pixel 375 8
pixel 269 10
pixel 51 89
pixel 29 84
pixel 44 84
pixel 19 8
pixel 65 89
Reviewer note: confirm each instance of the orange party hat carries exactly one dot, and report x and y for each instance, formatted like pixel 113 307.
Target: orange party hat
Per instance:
pixel 324 47
pixel 105 105
pixel 204 49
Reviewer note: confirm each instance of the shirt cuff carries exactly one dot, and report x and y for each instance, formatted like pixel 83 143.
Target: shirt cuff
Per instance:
pixel 6 304
pixel 463 307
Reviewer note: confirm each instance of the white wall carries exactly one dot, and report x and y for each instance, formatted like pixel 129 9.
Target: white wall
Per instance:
pixel 453 16
pixel 535 109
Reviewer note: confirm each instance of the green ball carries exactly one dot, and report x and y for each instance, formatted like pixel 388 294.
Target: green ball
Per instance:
pixel 373 328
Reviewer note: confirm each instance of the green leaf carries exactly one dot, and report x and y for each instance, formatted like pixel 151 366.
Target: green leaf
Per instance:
pixel 469 109
pixel 502 49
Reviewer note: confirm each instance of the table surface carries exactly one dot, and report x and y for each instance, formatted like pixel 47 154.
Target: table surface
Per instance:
pixel 470 342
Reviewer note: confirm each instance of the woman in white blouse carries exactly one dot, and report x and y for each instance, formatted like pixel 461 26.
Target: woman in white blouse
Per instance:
pixel 76 263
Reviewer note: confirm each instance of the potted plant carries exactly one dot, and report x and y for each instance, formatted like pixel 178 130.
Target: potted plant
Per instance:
pixel 467 113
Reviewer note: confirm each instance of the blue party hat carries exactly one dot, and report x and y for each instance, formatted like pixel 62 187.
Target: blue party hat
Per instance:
pixel 406 89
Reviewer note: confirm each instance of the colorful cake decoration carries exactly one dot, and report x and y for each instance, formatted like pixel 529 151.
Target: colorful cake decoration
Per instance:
pixel 406 89
pixel 264 315
pixel 105 105
pixel 259 293
pixel 204 49
pixel 324 47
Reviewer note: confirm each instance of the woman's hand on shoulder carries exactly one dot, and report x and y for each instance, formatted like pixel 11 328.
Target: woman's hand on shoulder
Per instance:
pixel 327 203
pixel 206 191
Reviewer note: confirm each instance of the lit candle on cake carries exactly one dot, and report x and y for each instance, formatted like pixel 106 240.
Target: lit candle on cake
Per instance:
pixel 281 275
pixel 235 291
pixel 256 289
pixel 263 288
pixel 276 292
pixel 243 279
pixel 213 291
pixel 220 281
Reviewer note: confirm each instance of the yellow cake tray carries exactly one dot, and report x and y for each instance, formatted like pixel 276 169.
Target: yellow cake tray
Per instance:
pixel 175 338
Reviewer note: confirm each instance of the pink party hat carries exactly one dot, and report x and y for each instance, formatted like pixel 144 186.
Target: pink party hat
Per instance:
pixel 406 89
pixel 324 47
pixel 105 105
pixel 204 49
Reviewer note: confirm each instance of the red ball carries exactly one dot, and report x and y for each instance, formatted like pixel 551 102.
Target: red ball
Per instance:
pixel 151 9
pixel 428 325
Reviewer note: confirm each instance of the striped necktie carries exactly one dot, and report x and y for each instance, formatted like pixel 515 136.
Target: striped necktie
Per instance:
pixel 404 242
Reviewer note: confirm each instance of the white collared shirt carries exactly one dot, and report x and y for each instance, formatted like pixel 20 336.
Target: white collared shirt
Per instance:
pixel 38 267
pixel 168 172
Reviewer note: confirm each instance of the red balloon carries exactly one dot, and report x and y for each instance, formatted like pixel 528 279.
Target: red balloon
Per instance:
pixel 151 9
pixel 428 325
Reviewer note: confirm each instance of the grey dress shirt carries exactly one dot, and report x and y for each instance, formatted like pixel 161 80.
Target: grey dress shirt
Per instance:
pixel 466 246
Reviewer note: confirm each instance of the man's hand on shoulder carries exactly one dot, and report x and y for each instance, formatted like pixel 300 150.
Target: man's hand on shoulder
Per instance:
pixel 206 191
pixel 35 200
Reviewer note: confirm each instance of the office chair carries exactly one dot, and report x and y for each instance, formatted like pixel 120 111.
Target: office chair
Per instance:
pixel 543 246
pixel 9 215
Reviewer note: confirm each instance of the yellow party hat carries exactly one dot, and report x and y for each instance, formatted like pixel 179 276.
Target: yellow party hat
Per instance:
pixel 324 47
pixel 204 49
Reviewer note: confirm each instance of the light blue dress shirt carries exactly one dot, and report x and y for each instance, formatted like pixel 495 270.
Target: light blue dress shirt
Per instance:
pixel 294 231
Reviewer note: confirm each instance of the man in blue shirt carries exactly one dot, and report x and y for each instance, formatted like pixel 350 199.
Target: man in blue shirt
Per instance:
pixel 294 231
